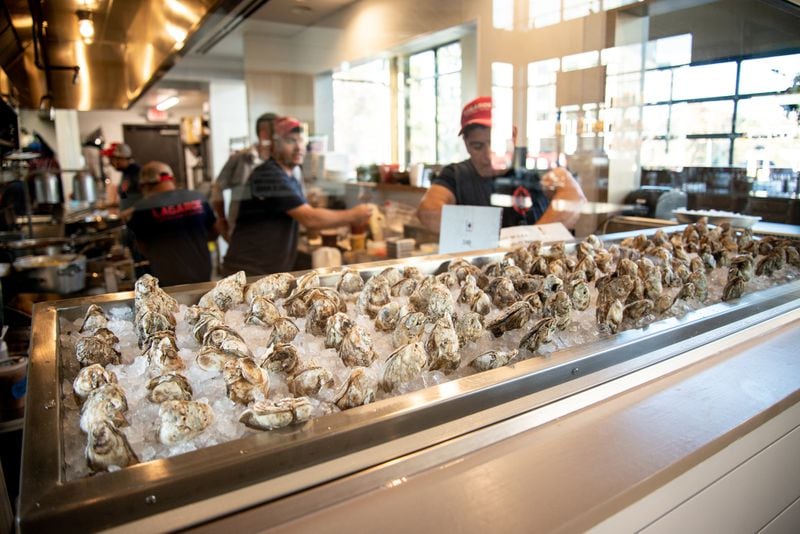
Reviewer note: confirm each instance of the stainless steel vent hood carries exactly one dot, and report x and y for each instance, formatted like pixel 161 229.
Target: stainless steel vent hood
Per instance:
pixel 135 42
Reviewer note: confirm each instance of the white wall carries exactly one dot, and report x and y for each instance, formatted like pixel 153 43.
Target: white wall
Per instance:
pixel 227 117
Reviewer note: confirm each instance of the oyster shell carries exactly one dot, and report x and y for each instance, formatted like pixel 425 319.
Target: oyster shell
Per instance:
pixel 336 328
pixel 559 306
pixel 609 317
pixel 273 287
pixel 469 327
pixel 212 359
pixel 375 294
pixel 278 414
pixel 638 309
pixel 283 331
pixel 227 293
pixel 405 287
pixel 169 386
pixel 161 350
pixel 350 284
pixel 262 312
pixel 182 420
pixel 152 321
pixel 409 328
pixel 503 292
pixel 281 358
pixel 227 340
pixel 90 378
pixel 106 402
pixel 387 317
pixel 493 359
pixel 309 379
pixel 481 303
pixel 244 379
pixel 356 348
pixel 440 302
pixel 442 346
pixel 359 389
pixel 403 365
pixel 540 333
pixel 513 317
pixel 392 275
pixel 734 288
pixel 306 281
pixel 579 295
pixel 321 309
pixel 195 314
pixel 92 349
pixel 95 318
pixel 108 447
pixel 205 323
pixel 149 296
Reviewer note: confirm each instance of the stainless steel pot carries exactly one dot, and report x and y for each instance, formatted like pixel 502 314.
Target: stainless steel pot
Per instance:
pixel 59 273
pixel 46 188
pixel 84 187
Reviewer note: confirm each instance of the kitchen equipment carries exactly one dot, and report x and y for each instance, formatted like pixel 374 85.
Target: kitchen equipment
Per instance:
pixel 58 273
pixel 716 217
pixel 655 201
pixel 283 467
pixel 84 187
pixel 45 188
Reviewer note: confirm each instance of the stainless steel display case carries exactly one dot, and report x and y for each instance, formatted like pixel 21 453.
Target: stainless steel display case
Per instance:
pixel 271 466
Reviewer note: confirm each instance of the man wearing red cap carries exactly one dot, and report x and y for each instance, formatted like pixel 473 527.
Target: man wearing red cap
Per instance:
pixel 265 234
pixel 525 198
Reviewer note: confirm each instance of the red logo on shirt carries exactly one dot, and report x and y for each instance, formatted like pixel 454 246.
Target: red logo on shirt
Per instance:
pixel 520 200
pixel 177 211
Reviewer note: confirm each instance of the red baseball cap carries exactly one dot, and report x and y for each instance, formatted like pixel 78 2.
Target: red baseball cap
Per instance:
pixel 118 150
pixel 284 126
pixel 479 111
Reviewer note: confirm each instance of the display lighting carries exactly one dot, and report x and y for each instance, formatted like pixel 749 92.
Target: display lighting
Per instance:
pixel 167 103
pixel 85 25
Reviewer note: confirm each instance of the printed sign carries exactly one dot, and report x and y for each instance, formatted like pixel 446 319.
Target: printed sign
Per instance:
pixel 546 233
pixel 467 228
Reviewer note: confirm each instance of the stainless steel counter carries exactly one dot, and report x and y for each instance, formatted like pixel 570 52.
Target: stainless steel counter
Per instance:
pixel 282 475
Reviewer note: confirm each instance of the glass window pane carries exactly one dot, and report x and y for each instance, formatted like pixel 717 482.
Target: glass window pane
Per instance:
pixel 422 65
pixel 449 117
pixel 574 9
pixel 623 89
pixel 544 13
pixel 584 60
pixel 704 152
pixel 613 4
pixel 449 58
pixel 781 152
pixel 502 100
pixel 503 14
pixel 542 114
pixel 422 121
pixel 702 118
pixel 657 85
pixel 503 74
pixel 669 51
pixel 621 59
pixel 705 81
pixel 376 71
pixel 766 115
pixel 654 154
pixel 655 120
pixel 543 72
pixel 769 74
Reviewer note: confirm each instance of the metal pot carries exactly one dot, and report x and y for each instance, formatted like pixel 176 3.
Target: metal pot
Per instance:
pixel 84 187
pixel 46 188
pixel 60 273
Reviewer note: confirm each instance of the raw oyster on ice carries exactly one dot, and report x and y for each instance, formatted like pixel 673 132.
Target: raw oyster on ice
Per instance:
pixel 107 447
pixel 90 378
pixel 95 318
pixel 169 386
pixel 181 420
pixel 227 293
pixel 278 414
pixel 359 389
pixel 403 365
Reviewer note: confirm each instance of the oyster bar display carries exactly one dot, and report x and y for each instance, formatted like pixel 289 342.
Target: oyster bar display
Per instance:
pixel 338 361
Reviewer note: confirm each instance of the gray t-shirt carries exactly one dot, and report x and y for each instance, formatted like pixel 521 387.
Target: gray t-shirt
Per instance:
pixel 265 237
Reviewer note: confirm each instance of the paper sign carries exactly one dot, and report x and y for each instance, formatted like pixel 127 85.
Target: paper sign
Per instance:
pixel 514 236
pixel 467 228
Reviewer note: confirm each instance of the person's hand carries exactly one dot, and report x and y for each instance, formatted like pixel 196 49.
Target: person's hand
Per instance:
pixel 555 179
pixel 361 214
pixel 223 229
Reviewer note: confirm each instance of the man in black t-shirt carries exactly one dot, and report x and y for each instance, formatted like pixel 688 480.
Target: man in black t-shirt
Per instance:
pixel 121 158
pixel 525 198
pixel 172 228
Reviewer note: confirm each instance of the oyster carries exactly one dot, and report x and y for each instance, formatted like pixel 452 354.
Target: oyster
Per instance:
pixel 227 293
pixel 392 275
pixel 579 295
pixel 227 340
pixel 403 365
pixel 92 349
pixel 409 328
pixel 515 316
pixel 336 328
pixel 161 350
pixel 440 302
pixel 194 314
pixel 734 288
pixel 106 402
pixel 149 296
pixel 469 327
pixel 273 287
pixel 150 322
pixel 540 333
pixel 769 264
pixel 481 303
pixel 744 266
pixel 106 336
pixel 552 284
pixel 283 331
pixel 321 310
pixel 278 414
pixel 206 322
pixel 306 281
pixel 359 389
pixel 90 378
pixel 442 346
pixel 404 288
pixel 638 309
pixel 447 279
pixel 469 290
pixel 108 447
pixel 182 420
pixel 281 358
pixel 375 294
pixel 309 379
pixel 169 386
pixel 503 292
pixel 609 317
pixel 663 303
pixel 493 359
pixel 262 312
pixel 350 284
pixel 95 318
pixel 244 379
pixel 212 359
pixel 698 278
pixel 356 348
pixel 388 315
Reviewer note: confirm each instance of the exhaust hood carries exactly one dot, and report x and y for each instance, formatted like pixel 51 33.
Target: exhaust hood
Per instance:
pixel 135 43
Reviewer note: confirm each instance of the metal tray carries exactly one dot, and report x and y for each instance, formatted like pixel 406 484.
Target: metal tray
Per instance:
pixel 179 489
pixel 737 220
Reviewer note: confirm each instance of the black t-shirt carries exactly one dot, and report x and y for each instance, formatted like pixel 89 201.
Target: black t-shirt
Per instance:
pixel 129 193
pixel 264 238
pixel 171 229
pixel 519 193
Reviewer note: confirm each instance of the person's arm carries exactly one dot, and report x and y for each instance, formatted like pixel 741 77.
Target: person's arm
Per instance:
pixel 567 200
pixel 319 218
pixel 430 207
pixel 221 226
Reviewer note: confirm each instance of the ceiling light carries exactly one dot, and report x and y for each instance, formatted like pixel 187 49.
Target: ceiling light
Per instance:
pixel 85 25
pixel 167 103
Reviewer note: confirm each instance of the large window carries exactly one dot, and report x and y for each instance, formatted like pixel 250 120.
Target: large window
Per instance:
pixel 433 105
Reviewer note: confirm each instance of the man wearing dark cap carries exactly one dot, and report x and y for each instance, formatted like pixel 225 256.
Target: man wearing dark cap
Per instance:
pixel 237 170
pixel 265 234
pixel 121 158
pixel 172 228
pixel 524 197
